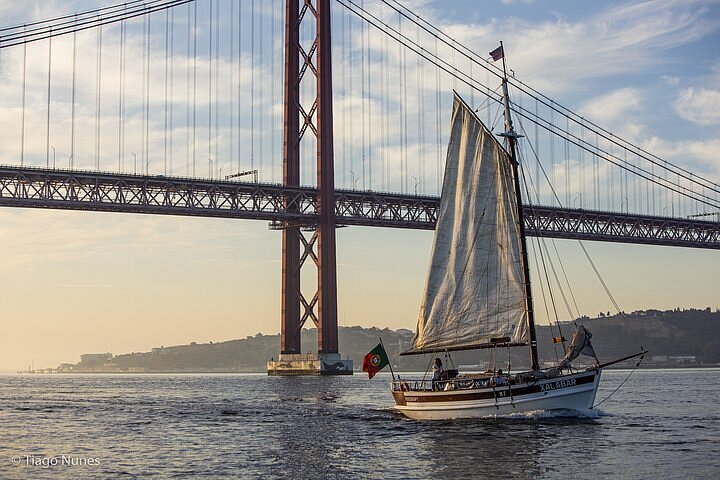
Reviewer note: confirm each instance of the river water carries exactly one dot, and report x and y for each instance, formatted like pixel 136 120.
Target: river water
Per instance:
pixel 661 424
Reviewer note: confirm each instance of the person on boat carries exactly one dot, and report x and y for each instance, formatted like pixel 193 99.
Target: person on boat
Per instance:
pixel 499 378
pixel 438 372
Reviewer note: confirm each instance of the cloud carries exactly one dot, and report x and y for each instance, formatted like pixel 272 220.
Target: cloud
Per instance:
pixel 609 108
pixel 700 155
pixel 699 105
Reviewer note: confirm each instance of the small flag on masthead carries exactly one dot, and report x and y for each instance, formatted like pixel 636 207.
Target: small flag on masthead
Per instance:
pixel 497 54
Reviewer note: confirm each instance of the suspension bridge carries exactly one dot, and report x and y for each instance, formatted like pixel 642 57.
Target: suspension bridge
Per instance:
pixel 310 115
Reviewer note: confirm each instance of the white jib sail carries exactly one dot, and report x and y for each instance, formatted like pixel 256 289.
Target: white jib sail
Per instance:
pixel 475 286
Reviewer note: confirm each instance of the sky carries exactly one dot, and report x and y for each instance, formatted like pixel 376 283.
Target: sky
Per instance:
pixel 81 282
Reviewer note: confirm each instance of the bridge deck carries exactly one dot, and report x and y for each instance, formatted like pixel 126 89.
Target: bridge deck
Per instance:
pixel 112 192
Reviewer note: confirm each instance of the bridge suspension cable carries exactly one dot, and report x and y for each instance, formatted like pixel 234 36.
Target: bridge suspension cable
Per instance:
pixel 701 185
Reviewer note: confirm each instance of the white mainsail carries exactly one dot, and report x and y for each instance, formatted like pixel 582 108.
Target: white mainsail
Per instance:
pixel 475 289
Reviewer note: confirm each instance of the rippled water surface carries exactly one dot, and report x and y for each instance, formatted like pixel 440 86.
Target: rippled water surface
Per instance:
pixel 661 424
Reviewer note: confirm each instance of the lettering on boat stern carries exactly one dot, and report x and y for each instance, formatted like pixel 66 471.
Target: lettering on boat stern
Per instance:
pixel 571 382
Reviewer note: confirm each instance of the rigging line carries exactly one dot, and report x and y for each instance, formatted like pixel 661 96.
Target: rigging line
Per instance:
pixel 47 32
pixel 518 84
pixel 637 365
pixel 602 281
pixel 597 273
pixel 542 291
pixel 541 243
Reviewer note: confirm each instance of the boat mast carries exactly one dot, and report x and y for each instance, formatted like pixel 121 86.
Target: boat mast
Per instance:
pixel 512 137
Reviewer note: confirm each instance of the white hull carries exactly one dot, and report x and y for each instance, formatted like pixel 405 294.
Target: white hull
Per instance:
pixel 573 392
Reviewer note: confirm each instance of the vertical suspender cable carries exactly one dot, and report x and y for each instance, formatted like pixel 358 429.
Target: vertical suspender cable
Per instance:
pixel 143 157
pixel 273 80
pixel 420 105
pixel 369 112
pixel 121 106
pixel 231 118
pixel 363 95
pixel 567 168
pixel 72 107
pixel 147 97
pixel 252 86
pixel 22 122
pixel 351 110
pixel 261 133
pixel 537 148
pixel 47 133
pixel 210 87
pixel 438 123
pixel 239 86
pixel 194 127
pixel 172 72
pixel 217 79
pixel 144 100
pixel 386 110
pixel 165 123
pixel 187 89
pixel 343 74
pixel 98 97
pixel 403 110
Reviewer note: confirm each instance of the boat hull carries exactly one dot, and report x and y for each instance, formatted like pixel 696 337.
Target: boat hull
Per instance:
pixel 572 392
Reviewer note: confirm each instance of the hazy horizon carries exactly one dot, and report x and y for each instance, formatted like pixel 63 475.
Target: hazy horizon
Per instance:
pixel 89 282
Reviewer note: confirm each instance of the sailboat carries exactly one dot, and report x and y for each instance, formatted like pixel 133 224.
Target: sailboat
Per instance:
pixel 478 292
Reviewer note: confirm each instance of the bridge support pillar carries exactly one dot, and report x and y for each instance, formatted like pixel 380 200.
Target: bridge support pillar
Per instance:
pixel 328 360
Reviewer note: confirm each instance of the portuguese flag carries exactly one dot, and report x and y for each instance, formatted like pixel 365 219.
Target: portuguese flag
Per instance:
pixel 375 361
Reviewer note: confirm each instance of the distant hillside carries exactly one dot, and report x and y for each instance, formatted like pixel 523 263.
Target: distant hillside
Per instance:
pixel 689 336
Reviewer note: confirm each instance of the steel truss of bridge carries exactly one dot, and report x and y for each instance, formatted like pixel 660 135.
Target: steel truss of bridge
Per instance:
pixel 281 205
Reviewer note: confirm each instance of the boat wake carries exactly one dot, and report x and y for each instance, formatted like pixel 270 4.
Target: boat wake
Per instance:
pixel 558 413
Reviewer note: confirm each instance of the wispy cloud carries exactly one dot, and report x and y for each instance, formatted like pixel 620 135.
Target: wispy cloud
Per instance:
pixel 612 107
pixel 699 105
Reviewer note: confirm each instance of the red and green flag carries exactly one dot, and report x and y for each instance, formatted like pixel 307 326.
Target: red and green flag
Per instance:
pixel 375 361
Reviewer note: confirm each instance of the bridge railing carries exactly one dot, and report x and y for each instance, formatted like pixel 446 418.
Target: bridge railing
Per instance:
pixel 110 192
